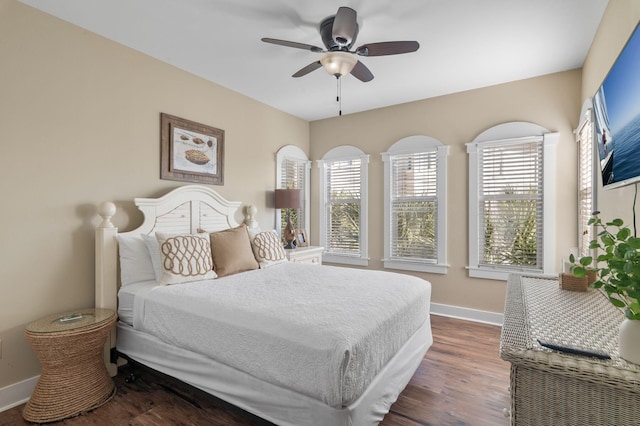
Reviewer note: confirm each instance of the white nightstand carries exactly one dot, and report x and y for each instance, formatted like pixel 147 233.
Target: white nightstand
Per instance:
pixel 311 254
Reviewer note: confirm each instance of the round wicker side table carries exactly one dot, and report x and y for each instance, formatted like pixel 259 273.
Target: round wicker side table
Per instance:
pixel 74 378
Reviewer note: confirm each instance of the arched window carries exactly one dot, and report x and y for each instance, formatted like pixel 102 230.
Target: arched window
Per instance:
pixel 292 172
pixel 512 214
pixel 415 191
pixel 343 197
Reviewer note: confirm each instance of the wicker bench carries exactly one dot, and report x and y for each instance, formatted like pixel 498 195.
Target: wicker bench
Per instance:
pixel 553 388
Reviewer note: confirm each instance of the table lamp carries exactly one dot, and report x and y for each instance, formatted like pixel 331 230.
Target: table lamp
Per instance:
pixel 288 199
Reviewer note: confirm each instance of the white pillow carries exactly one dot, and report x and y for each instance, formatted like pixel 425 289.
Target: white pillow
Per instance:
pixel 185 258
pixel 135 261
pixel 153 248
pixel 267 249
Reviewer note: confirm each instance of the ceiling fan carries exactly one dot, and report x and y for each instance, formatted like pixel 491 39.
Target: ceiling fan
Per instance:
pixel 338 33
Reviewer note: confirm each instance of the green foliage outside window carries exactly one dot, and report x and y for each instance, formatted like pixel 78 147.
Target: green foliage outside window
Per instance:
pixel 511 232
pixel 415 226
pixel 344 226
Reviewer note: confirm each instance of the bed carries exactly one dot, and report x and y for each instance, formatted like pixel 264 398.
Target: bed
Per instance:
pixel 295 344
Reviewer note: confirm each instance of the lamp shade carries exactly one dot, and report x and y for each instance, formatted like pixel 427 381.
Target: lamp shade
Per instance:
pixel 287 199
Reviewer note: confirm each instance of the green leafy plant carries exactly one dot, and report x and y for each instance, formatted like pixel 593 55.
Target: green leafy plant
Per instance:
pixel 617 265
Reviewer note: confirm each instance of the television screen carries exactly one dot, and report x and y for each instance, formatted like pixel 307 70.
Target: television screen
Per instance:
pixel 616 107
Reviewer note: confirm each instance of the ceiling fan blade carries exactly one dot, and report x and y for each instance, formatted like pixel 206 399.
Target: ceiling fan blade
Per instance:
pixel 306 70
pixel 361 72
pixel 345 26
pixel 387 48
pixel 292 44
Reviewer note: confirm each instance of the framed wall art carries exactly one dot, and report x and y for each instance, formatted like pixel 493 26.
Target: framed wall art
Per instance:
pixel 190 151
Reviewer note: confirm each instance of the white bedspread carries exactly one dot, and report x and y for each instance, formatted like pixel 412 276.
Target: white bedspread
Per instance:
pixel 319 330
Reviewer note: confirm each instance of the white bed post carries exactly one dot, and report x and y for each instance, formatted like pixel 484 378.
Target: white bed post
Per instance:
pixel 106 285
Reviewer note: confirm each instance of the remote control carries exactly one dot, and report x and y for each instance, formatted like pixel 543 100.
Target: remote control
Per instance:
pixel 70 317
pixel 574 350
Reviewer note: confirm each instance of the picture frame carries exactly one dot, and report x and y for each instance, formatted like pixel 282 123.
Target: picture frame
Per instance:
pixel 301 238
pixel 190 151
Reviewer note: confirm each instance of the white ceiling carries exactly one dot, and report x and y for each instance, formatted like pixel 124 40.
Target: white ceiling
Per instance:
pixel 464 44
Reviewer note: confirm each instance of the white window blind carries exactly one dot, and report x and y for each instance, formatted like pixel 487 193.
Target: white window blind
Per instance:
pixel 342 216
pixel 293 175
pixel 414 206
pixel 511 204
pixel 585 187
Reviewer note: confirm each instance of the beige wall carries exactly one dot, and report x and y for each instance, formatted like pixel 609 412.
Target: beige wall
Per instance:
pixel 552 101
pixel 79 124
pixel 619 20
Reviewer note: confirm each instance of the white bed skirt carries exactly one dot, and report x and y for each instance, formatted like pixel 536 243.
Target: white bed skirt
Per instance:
pixel 274 403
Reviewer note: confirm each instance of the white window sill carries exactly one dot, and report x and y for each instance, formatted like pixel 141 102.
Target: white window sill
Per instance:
pixel 344 260
pixel 503 274
pixel 408 265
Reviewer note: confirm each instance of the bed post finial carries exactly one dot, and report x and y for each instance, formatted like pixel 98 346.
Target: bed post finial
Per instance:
pixel 106 210
pixel 250 216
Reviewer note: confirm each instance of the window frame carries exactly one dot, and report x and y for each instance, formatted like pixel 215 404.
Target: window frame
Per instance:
pixel 407 146
pixel 345 153
pixel 294 153
pixel 515 132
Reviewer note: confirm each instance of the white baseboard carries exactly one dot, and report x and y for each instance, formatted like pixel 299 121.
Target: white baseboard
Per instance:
pixel 17 393
pixel 467 314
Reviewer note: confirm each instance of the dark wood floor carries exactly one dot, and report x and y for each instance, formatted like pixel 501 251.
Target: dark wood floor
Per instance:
pixel 461 381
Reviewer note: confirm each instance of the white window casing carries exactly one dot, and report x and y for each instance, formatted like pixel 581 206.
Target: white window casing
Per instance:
pixel 518 158
pixel 344 187
pixel 415 191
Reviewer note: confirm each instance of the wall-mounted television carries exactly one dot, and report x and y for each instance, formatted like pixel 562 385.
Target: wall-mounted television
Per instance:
pixel 616 107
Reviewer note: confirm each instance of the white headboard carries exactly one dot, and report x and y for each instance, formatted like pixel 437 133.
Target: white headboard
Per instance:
pixel 183 210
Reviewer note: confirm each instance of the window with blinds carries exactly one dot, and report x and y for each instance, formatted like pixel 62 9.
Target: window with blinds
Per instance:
pixel 343 194
pixel 414 206
pixel 293 175
pixel 586 200
pixel 292 172
pixel 510 196
pixel 344 205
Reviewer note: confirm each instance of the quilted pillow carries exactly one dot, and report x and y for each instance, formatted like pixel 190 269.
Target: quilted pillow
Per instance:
pixel 185 258
pixel 231 251
pixel 268 249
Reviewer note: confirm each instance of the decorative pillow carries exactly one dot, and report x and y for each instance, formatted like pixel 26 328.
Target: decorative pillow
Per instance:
pixel 135 262
pixel 185 258
pixel 268 249
pixel 231 251
pixel 154 253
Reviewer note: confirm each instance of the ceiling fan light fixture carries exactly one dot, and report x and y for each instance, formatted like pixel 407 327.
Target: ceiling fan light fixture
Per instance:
pixel 338 63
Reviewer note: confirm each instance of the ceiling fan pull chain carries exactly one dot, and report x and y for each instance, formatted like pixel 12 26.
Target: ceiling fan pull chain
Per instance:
pixel 339 93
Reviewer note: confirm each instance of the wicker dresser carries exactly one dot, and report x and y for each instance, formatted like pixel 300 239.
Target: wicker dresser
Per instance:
pixel 552 388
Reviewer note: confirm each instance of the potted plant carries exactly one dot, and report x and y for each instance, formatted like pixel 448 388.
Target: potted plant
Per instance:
pixel 618 274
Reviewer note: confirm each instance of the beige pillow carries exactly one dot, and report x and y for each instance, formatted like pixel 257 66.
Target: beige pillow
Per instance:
pixel 231 251
pixel 268 249
pixel 185 258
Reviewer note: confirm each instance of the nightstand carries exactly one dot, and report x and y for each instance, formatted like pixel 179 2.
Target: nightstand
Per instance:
pixel 74 378
pixel 311 254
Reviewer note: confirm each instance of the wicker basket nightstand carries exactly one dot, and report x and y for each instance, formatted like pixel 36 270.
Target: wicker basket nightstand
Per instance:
pixel 74 378
pixel 553 388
